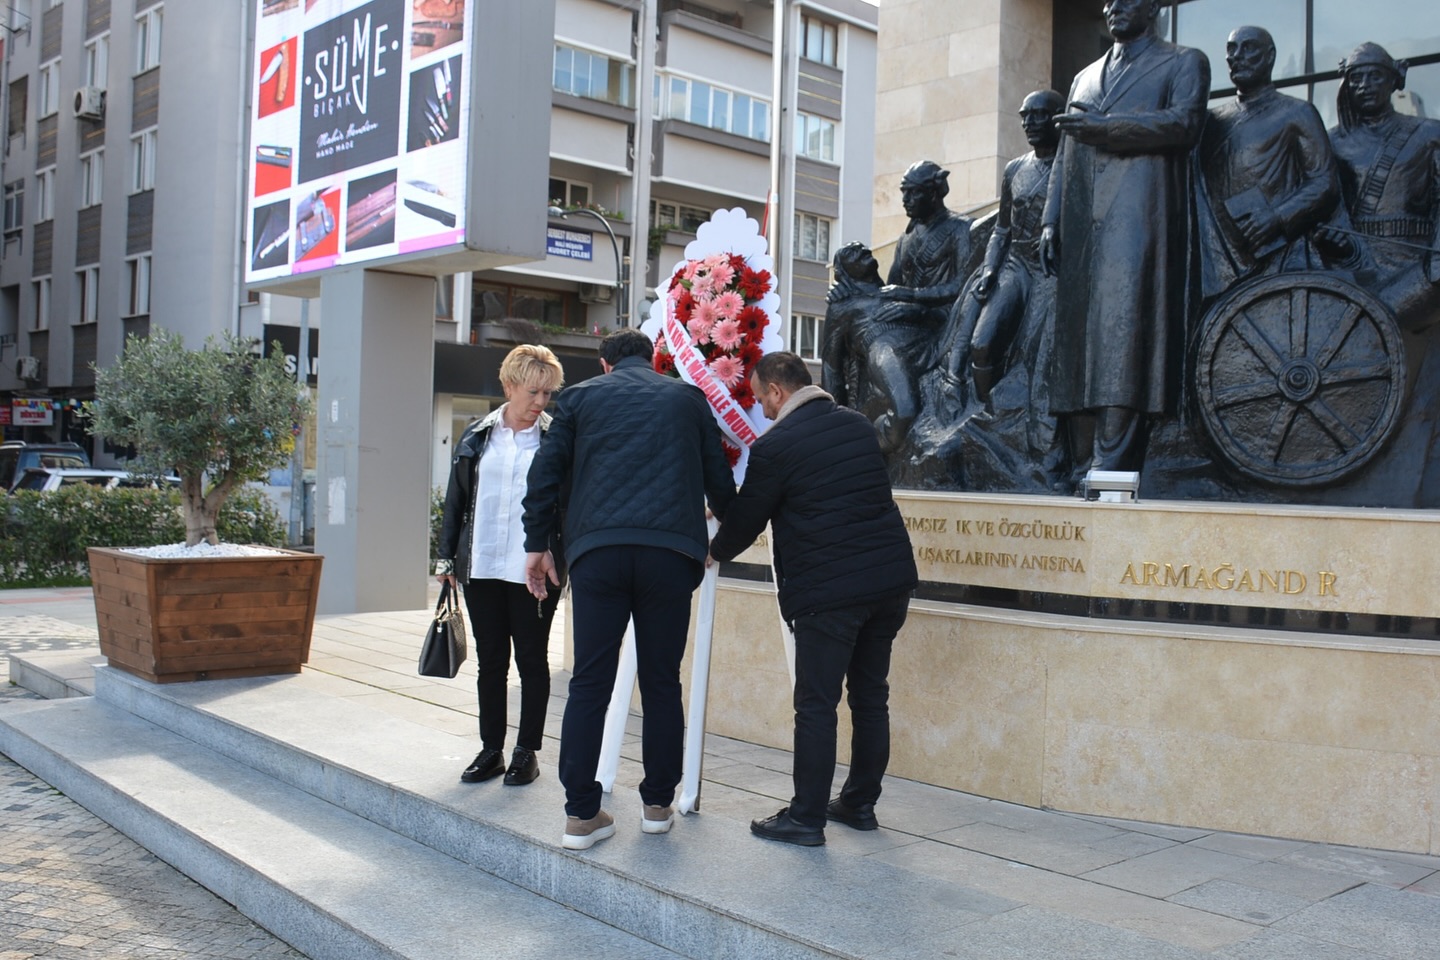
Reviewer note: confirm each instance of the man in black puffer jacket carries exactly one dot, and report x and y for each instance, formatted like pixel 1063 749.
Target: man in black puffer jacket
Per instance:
pixel 845 571
pixel 642 454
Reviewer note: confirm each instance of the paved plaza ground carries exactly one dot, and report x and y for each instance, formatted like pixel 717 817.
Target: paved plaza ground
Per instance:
pixel 1039 883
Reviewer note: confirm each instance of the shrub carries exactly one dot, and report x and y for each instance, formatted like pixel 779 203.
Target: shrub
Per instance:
pixel 44 535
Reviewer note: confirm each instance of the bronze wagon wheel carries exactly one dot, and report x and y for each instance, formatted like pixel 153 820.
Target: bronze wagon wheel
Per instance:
pixel 1299 377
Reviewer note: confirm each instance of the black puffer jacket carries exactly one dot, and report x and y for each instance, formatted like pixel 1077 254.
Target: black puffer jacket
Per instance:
pixel 642 453
pixel 818 477
pixel 457 522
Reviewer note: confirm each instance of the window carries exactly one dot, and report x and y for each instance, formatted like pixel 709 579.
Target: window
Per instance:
pixel 142 161
pixel 677 216
pixel 817 40
pixel 147 39
pixel 812 237
pixel 47 98
pixel 87 287
pixel 19 102
pixel 139 276
pixel 805 332
pixel 41 320
pixel 569 193
pixel 717 108
pixel 92 176
pixel 491 302
pixel 97 62
pixel 45 195
pixel 14 206
pixel 594 76
pixel 815 137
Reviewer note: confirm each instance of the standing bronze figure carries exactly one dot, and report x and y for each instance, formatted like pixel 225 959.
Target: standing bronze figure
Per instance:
pixel 1267 176
pixel 1117 230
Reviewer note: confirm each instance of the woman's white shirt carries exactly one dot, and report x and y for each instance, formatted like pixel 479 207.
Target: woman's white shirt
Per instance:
pixel 497 544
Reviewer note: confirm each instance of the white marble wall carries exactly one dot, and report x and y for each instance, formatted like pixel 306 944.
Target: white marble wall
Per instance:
pixel 951 76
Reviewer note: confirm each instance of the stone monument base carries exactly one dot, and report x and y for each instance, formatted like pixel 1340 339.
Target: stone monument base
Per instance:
pixel 1322 736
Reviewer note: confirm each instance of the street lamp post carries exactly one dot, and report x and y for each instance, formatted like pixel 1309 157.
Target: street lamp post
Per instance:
pixel 622 269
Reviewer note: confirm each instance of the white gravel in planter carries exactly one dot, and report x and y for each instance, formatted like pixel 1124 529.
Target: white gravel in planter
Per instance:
pixel 178 551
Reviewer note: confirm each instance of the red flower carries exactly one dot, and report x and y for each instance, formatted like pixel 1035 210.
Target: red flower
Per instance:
pixel 663 362
pixel 743 394
pixel 738 262
pixel 753 321
pixel 684 307
pixel 749 354
pixel 732 453
pixel 754 284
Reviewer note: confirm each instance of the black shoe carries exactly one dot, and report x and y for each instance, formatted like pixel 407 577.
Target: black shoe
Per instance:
pixel 524 768
pixel 487 763
pixel 781 827
pixel 860 817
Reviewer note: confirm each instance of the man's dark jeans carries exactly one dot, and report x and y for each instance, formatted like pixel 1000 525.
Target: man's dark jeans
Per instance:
pixel 610 586
pixel 849 645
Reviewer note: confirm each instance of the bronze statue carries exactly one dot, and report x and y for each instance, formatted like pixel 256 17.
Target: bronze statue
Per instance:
pixel 930 267
pixel 1012 258
pixel 1117 231
pixel 1267 176
pixel 1390 178
pixel 864 357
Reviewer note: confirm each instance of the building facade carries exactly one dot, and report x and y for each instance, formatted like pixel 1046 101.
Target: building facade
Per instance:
pixel 94 246
pixel 123 179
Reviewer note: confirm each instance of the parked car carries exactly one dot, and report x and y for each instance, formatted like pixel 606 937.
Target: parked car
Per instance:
pixel 17 455
pixel 45 479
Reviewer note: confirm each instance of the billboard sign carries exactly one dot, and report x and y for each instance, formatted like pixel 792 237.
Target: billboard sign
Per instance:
pixel 32 413
pixel 358 132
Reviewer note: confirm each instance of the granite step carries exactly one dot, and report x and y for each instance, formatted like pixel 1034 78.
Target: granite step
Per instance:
pixel 706 889
pixel 330 883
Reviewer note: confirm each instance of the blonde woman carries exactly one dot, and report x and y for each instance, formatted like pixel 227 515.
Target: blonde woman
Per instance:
pixel 482 550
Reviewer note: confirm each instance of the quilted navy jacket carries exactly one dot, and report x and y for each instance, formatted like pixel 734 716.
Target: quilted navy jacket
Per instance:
pixel 642 453
pixel 818 477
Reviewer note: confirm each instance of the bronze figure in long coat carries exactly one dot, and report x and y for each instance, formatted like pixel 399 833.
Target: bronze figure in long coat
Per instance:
pixel 1118 221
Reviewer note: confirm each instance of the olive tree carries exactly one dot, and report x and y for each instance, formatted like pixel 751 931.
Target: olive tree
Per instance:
pixel 217 417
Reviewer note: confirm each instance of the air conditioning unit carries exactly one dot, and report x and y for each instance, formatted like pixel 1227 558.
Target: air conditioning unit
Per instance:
pixel 27 368
pixel 596 293
pixel 90 103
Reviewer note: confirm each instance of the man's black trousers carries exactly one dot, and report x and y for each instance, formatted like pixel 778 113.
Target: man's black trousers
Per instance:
pixel 849 646
pixel 608 587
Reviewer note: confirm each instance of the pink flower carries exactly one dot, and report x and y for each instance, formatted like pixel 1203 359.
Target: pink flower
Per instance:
pixel 715 260
pixel 708 310
pixel 688 271
pixel 729 304
pixel 699 330
pixel 721 274
pixel 727 370
pixel 703 285
pixel 727 335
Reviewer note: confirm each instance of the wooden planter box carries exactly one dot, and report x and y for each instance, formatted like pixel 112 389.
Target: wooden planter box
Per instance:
pixel 204 619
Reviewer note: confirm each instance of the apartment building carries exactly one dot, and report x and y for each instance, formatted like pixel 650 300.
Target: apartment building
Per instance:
pixel 689 88
pixel 124 176
pixel 92 249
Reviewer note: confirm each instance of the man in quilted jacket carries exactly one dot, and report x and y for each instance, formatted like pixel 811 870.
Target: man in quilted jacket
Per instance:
pixel 844 569
pixel 640 454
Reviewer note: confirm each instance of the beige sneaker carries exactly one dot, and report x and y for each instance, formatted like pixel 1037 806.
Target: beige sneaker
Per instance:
pixel 657 819
pixel 584 834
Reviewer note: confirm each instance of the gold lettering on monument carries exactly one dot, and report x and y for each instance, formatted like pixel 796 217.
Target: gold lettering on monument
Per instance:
pixel 1226 576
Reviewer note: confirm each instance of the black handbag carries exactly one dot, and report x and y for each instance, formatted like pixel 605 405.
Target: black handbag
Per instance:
pixel 445 648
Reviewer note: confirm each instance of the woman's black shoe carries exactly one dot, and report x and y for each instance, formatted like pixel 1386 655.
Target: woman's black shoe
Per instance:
pixel 523 768
pixel 860 817
pixel 781 827
pixel 487 763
